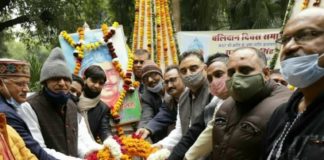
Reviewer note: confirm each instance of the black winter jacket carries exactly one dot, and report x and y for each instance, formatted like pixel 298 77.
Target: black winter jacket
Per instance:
pixel 305 138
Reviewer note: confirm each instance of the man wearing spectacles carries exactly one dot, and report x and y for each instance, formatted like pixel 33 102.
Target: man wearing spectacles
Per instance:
pixel 295 130
pixel 139 57
pixel 14 80
pixel 166 116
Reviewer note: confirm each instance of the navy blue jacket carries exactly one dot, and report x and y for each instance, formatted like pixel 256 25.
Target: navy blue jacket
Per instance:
pixel 166 116
pixel 14 120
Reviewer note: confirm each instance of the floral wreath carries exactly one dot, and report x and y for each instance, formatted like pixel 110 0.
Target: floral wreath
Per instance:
pixel 78 53
pixel 121 147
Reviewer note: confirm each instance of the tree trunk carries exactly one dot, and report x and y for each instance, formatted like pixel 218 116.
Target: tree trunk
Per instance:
pixel 176 15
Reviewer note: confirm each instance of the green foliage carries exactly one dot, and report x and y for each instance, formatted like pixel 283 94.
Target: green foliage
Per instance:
pixel 45 19
pixel 122 11
pixel 35 68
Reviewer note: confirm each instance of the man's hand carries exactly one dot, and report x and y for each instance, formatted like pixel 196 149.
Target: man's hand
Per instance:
pixel 143 132
pixel 158 146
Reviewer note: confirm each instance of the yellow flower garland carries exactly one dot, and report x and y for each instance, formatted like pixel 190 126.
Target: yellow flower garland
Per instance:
pixel 141 26
pixel 135 31
pixel 149 26
pixel 79 47
pixel 164 34
pixel 158 32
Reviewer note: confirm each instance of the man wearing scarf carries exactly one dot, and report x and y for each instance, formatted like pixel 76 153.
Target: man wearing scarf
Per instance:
pixel 94 111
pixel 53 116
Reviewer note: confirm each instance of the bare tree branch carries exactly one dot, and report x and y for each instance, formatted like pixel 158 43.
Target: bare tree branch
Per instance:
pixel 12 22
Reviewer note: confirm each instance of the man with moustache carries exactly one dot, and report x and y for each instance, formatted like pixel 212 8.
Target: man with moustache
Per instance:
pixel 201 147
pixel 296 129
pixel 174 86
pixel 240 122
pixel 152 96
pixel 140 56
pixel 14 80
pixel 193 100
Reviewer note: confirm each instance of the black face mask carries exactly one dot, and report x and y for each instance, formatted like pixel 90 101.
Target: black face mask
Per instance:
pixel 56 98
pixel 89 93
pixel 74 98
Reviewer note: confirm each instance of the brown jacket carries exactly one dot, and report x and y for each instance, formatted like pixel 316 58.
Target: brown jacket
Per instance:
pixel 239 128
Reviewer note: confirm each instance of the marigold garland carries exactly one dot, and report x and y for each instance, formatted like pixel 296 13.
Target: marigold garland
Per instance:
pixel 158 32
pixel 126 76
pixel 136 25
pixel 79 47
pixel 160 42
pixel 164 33
pixel 149 26
pixel 141 26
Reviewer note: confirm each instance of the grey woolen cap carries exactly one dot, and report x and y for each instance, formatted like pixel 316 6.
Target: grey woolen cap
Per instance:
pixel 55 66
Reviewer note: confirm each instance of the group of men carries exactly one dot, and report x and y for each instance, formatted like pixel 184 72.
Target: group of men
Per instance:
pixel 226 108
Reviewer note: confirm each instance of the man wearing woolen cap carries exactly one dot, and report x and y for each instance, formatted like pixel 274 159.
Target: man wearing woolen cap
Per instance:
pixel 14 80
pixel 153 94
pixel 52 115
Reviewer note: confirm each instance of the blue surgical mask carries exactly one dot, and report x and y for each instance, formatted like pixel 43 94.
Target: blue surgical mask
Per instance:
pixel 157 88
pixel 302 71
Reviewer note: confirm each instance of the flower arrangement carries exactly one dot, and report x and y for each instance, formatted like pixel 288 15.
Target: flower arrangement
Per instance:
pixel 127 147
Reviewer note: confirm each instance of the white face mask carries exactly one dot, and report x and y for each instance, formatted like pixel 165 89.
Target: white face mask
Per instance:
pixel 157 88
pixel 302 71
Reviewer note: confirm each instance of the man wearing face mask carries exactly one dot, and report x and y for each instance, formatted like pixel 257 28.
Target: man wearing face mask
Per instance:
pixel 14 80
pixel 239 124
pixel 76 88
pixel 166 116
pixel 201 147
pixel 53 117
pixel 296 129
pixel 152 97
pixel 95 111
pixel 193 101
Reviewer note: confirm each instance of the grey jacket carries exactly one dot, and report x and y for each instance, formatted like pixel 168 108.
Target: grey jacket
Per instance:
pixel 191 105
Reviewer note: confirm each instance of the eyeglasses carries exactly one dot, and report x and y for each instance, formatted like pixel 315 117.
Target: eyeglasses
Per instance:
pixel 300 37
pixel 19 84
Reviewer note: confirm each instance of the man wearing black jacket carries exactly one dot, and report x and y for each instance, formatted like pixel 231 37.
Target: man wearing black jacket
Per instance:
pixel 296 129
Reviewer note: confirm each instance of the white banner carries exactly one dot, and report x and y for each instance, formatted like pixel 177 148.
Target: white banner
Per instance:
pixel 211 42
